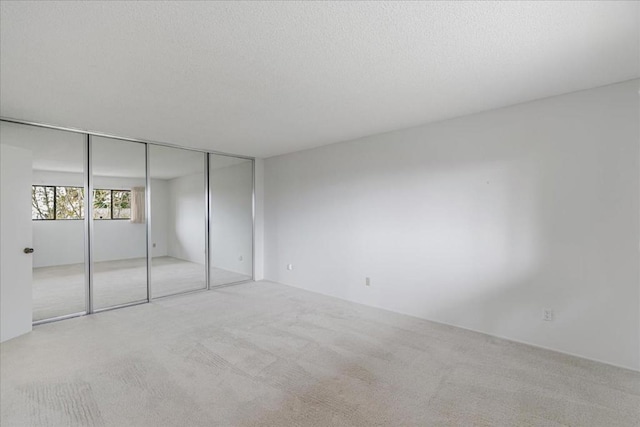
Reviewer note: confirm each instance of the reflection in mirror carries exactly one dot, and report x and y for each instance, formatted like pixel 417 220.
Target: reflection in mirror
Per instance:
pixel 119 222
pixel 178 206
pixel 231 232
pixel 52 180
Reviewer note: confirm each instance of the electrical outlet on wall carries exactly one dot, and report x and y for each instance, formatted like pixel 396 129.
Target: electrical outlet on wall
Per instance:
pixel 548 315
pixel 289 267
pixel 367 281
pixel 240 258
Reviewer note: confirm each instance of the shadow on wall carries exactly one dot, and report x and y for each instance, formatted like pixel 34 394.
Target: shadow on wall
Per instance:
pixel 500 245
pixel 482 222
pixel 186 218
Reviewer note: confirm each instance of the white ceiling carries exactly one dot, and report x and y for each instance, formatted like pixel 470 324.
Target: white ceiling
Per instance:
pixel 266 78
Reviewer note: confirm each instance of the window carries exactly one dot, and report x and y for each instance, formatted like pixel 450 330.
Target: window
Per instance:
pixel 60 203
pixel 120 204
pixel 69 202
pixel 111 204
pixel 43 202
pixel 102 204
pixel 49 202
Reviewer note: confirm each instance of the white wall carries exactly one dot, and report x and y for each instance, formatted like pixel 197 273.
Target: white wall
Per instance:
pixel 231 219
pixel 58 243
pixel 62 242
pixel 186 218
pixel 160 217
pixel 480 222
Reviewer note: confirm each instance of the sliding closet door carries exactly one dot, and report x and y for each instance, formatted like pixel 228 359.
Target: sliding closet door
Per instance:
pixel 50 257
pixel 231 224
pixel 178 219
pixel 119 238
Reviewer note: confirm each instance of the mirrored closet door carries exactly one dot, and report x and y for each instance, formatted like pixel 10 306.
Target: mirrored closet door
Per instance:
pixel 231 223
pixel 178 220
pixel 99 223
pixel 43 189
pixel 119 231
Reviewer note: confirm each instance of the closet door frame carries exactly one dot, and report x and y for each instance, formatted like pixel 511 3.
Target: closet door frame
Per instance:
pixel 88 225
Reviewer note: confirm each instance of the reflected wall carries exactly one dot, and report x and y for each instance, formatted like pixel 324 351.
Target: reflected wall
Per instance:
pixel 178 198
pixel 231 224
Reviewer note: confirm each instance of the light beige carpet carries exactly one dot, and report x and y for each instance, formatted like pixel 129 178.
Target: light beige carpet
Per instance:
pixel 272 355
pixel 60 290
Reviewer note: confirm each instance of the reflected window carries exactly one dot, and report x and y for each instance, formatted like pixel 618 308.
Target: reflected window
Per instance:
pixel 111 204
pixel 52 203
pixel 43 202
pixel 69 203
pixel 102 204
pixel 120 204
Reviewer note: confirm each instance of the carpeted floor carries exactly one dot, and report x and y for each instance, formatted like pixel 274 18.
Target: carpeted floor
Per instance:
pixel 272 355
pixel 60 290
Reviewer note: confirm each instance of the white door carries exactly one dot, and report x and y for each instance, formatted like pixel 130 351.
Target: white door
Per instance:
pixel 15 236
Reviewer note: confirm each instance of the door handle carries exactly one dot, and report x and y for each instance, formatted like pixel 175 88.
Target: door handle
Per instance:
pixel 28 250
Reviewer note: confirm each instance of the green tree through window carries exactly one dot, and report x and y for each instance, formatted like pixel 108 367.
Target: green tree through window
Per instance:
pixel 102 204
pixel 121 204
pixel 69 203
pixel 42 202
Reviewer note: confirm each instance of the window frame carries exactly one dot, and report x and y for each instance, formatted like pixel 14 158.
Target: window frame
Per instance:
pixel 55 204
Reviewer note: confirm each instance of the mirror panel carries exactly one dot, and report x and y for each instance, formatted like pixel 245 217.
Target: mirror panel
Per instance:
pixel 55 184
pixel 231 223
pixel 119 241
pixel 178 220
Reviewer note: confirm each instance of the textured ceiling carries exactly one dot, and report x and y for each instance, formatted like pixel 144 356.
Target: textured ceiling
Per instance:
pixel 267 78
